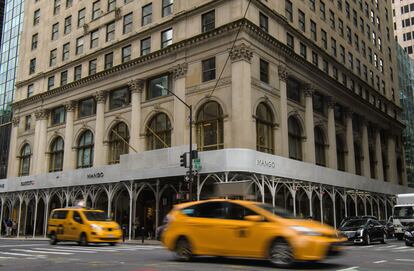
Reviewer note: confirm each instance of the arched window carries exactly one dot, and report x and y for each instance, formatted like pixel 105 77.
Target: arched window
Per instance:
pixel 320 147
pixel 159 132
pixel 118 142
pixel 56 155
pixel 210 127
pixel 25 155
pixel 264 129
pixel 340 153
pixel 85 150
pixel 358 159
pixel 295 139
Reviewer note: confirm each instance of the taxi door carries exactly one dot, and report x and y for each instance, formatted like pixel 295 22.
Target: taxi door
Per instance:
pixel 60 220
pixel 74 226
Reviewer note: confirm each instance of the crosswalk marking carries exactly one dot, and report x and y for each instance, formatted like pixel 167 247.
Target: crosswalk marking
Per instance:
pixel 64 250
pixel 42 252
pixel 17 254
pixel 7 258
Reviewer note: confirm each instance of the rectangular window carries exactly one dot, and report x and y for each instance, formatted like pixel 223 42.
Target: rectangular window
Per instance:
pixel 30 90
pixel 50 82
pixel 293 90
pixel 32 66
pixel 303 50
pixel 77 75
pixel 35 38
pixel 167 7
pixel 342 53
pixel 111 5
pixel 332 19
pixel 79 45
pixel 56 7
pixel 290 42
pixel 264 22
pixel 63 78
pixel 53 56
pixel 81 17
pixel 209 69
pixel 145 46
pixel 264 71
pixel 314 34
pixel 68 25
pixel 301 20
pixel 333 46
pixel 119 98
pixel 36 17
pixel 69 3
pixel 146 14
pixel 92 66
pixel 126 53
pixel 55 31
pixel 322 10
pixel 208 21
pixel 96 10
pixel 315 59
pixel 289 10
pixel 127 23
pixel 94 38
pixel 324 38
pixel 58 115
pixel 65 51
pixel 110 31
pixel 28 122
pixel 86 108
pixel 166 38
pixel 153 89
pixel 109 61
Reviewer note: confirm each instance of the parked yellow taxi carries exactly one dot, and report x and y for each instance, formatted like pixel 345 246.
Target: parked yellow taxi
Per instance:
pixel 246 229
pixel 83 226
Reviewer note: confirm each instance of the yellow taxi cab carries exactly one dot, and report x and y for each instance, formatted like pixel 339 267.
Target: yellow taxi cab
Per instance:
pixel 235 228
pixel 83 226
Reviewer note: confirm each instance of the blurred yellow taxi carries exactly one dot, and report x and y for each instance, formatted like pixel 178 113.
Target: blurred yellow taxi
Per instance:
pixel 247 229
pixel 83 226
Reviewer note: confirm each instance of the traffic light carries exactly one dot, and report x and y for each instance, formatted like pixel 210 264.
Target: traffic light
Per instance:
pixel 183 160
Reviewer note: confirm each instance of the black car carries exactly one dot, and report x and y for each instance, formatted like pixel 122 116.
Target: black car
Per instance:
pixel 409 235
pixel 389 228
pixel 363 231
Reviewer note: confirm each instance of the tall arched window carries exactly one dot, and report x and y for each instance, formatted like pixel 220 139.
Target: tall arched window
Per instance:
pixel 358 159
pixel 320 147
pixel 85 150
pixel 56 155
pixel 118 142
pixel 159 132
pixel 264 129
pixel 210 127
pixel 295 139
pixel 25 155
pixel 340 153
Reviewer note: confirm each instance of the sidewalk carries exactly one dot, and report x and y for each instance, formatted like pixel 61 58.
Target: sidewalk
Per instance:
pixel 41 238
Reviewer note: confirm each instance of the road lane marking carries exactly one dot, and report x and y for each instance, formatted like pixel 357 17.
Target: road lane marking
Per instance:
pixel 26 245
pixel 18 254
pixel 398 248
pixel 42 252
pixel 63 250
pixel 390 246
pixel 382 261
pixel 1 257
pixel 349 269
pixel 405 260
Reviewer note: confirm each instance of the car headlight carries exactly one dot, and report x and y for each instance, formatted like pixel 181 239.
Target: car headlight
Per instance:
pixel 96 227
pixel 360 232
pixel 305 231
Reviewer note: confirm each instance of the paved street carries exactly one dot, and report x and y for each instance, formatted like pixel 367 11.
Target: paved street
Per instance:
pixel 39 255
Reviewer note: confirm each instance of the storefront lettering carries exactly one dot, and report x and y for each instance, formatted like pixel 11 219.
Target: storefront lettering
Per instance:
pixel 27 183
pixel 263 163
pixel 95 175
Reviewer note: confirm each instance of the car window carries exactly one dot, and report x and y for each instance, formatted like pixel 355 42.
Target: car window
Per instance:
pixel 77 217
pixel 238 212
pixel 206 210
pixel 95 216
pixel 375 222
pixel 59 214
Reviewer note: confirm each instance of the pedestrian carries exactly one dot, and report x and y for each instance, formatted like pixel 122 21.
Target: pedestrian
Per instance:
pixel 150 226
pixel 14 228
pixel 9 225
pixel 136 227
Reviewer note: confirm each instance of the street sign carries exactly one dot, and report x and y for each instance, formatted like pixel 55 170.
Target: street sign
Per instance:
pixel 197 164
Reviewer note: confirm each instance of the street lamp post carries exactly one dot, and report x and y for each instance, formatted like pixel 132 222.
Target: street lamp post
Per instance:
pixel 190 167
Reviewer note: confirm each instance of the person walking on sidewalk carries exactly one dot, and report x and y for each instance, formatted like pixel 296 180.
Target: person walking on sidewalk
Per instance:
pixel 14 228
pixel 9 225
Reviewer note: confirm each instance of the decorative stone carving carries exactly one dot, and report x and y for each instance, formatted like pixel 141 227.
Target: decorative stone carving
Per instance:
pixel 85 28
pixel 241 52
pixel 331 102
pixel 118 13
pixel 16 121
pixel 180 70
pixel 136 85
pixel 100 96
pixel 348 112
pixel 308 90
pixel 70 106
pixel 283 73
pixel 41 114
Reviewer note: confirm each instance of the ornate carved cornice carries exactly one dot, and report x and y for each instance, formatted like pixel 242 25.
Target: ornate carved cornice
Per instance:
pixel 69 106
pixel 241 52
pixel 16 121
pixel 41 114
pixel 180 70
pixel 100 96
pixel 308 90
pixel 283 73
pixel 136 85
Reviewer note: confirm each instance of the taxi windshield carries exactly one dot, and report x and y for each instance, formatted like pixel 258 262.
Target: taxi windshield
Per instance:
pixel 96 216
pixel 276 210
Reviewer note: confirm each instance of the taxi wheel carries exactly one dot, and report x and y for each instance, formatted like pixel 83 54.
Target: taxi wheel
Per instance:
pixel 183 250
pixel 408 244
pixel 367 240
pixel 83 241
pixel 53 239
pixel 281 254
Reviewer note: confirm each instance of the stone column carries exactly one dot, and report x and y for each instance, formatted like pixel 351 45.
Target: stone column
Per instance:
pixel 40 147
pixel 332 155
pixel 13 168
pixel 69 160
pixel 350 143
pixel 180 117
pixel 392 159
pixel 242 123
pixel 378 156
pixel 99 153
pixel 283 128
pixel 365 150
pixel 136 86
pixel 309 126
